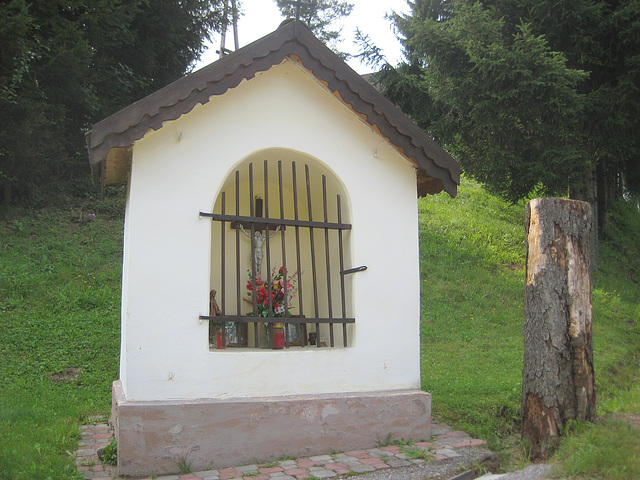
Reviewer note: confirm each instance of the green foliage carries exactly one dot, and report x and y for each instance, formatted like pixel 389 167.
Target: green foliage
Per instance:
pixel 319 16
pixel 384 441
pixel 110 454
pixel 416 452
pixel 528 96
pixel 403 443
pixel 66 65
pixel 615 296
pixel 504 104
pixel 183 464
pixel 60 300
pixel 620 248
pixel 472 255
pixel 59 309
pixel 608 450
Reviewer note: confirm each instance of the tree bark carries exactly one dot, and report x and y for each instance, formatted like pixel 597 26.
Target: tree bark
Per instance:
pixel 558 376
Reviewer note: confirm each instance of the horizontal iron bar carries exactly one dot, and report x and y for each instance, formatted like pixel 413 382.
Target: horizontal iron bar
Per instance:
pixel 243 319
pixel 276 221
pixel 353 270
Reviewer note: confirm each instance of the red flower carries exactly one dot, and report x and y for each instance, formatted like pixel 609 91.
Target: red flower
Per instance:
pixel 272 291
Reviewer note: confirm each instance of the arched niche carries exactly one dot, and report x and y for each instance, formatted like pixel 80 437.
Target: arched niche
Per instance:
pixel 278 184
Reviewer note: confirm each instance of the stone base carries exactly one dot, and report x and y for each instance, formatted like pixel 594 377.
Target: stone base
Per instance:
pixel 155 437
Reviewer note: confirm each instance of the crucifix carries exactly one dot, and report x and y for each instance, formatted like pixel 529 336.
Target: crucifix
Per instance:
pixel 258 241
pixel 259 238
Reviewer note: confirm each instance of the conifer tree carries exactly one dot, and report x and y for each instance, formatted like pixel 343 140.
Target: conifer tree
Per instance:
pixel 320 16
pixel 531 97
pixel 65 64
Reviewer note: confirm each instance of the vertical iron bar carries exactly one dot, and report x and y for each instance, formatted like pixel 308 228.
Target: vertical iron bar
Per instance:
pixel 284 258
pixel 238 291
pixel 253 253
pixel 222 259
pixel 327 256
pixel 269 280
pixel 222 268
pixel 295 212
pixel 313 256
pixel 342 293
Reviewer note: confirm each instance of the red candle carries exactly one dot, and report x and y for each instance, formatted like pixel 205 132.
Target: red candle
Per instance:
pixel 278 338
pixel 221 343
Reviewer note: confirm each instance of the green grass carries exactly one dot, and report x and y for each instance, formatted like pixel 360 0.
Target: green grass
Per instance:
pixel 472 252
pixel 609 450
pixel 472 262
pixel 59 308
pixel 60 301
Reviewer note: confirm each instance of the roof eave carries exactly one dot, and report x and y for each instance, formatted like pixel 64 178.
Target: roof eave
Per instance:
pixel 292 40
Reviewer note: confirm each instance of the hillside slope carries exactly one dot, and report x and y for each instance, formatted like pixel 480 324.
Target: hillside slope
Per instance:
pixel 59 320
pixel 472 262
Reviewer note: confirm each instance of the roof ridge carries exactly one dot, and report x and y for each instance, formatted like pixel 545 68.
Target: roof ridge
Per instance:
pixel 292 39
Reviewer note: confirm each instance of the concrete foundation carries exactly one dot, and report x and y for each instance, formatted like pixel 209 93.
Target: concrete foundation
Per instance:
pixel 154 437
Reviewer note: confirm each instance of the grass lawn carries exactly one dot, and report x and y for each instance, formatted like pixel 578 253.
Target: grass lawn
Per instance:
pixel 59 309
pixel 472 255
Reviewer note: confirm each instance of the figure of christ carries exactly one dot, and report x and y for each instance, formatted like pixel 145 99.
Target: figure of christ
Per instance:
pixel 258 242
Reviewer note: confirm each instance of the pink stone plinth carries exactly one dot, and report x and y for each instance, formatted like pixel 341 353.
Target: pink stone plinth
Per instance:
pixel 154 436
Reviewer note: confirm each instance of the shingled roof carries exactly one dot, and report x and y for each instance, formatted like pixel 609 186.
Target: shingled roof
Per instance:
pixel 436 169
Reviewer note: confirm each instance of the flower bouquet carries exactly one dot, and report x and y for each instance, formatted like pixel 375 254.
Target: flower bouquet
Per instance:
pixel 272 298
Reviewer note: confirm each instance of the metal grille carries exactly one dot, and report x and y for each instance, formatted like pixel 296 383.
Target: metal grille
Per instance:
pixel 317 274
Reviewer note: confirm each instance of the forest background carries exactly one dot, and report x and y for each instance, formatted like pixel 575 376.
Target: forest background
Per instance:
pixel 530 97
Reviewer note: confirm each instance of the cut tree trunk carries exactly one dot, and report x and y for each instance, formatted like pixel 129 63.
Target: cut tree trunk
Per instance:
pixel 557 378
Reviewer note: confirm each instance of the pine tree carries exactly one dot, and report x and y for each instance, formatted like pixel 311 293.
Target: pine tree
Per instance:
pixel 66 64
pixel 531 97
pixel 319 16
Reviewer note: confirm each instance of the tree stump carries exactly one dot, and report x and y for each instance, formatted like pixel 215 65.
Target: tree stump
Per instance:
pixel 558 377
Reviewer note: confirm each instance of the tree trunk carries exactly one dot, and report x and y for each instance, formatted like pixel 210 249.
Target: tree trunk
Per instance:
pixel 558 382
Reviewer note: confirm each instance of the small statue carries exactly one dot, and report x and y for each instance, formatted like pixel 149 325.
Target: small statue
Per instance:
pixel 214 309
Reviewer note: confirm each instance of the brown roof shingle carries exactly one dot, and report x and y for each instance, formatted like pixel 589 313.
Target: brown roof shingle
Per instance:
pixel 436 169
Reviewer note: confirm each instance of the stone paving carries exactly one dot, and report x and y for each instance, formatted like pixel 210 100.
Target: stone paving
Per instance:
pixel 444 444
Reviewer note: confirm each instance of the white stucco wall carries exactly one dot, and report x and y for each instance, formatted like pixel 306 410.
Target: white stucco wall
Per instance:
pixel 179 171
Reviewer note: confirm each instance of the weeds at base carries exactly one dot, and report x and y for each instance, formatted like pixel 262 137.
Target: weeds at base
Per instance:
pixel 184 465
pixel 417 453
pixel 384 441
pixel 110 453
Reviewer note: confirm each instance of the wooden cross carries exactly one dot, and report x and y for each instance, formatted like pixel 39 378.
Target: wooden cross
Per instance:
pixel 258 213
pixel 298 4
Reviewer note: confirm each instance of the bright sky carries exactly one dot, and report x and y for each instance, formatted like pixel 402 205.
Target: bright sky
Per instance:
pixel 262 17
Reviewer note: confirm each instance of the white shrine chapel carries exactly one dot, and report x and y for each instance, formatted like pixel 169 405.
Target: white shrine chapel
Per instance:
pixel 270 289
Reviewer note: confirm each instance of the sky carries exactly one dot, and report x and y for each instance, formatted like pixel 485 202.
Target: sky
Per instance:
pixel 262 17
